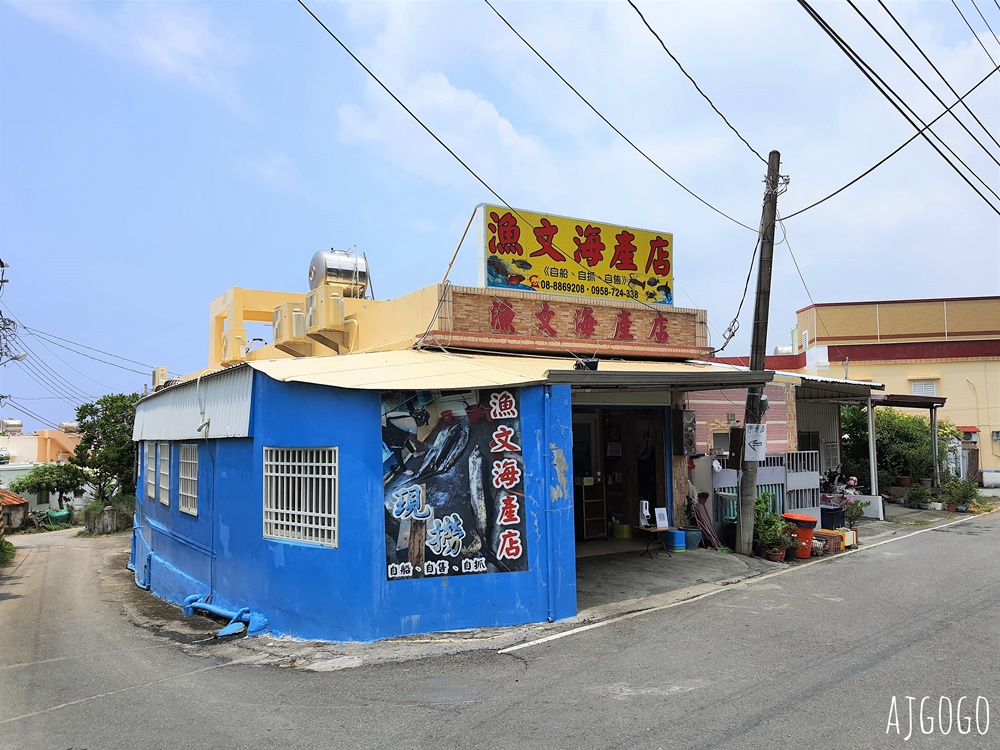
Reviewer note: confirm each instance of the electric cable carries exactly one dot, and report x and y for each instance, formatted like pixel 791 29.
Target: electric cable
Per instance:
pixel 976 6
pixel 933 93
pixel 940 74
pixel 427 129
pixel 652 31
pixel 905 143
pixel 78 372
pixel 27 412
pixel 917 117
pixel 612 126
pixel 37 363
pixel 865 68
pixel 37 332
pixel 973 32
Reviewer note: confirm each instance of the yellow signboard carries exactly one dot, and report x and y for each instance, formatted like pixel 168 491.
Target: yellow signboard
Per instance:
pixel 557 255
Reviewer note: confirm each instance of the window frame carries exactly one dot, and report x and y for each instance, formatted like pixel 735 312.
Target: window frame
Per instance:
pixel 301 500
pixel 163 477
pixel 187 483
pixel 924 384
pixel 151 469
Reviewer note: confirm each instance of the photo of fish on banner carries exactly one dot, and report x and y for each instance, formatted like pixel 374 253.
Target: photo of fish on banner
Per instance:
pixel 453 483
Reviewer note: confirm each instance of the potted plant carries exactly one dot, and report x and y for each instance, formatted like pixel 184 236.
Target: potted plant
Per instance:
pixel 919 497
pixel 958 493
pixel 692 531
pixel 902 481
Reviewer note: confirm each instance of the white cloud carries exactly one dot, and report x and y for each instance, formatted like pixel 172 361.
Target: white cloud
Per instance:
pixel 175 41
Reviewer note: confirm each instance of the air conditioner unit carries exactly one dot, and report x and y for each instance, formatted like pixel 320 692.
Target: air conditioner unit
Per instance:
pixel 996 434
pixel 970 437
pixel 160 376
pixel 233 341
pixel 325 319
pixel 290 329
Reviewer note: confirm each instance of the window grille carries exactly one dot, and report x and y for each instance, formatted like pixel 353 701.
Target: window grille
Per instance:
pixel 301 494
pixel 187 486
pixel 150 449
pixel 924 388
pixel 165 473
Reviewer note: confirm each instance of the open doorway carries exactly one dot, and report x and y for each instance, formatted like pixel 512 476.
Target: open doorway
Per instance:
pixel 619 459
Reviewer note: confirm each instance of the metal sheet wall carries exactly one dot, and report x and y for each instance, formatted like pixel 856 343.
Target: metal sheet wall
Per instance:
pixel 176 413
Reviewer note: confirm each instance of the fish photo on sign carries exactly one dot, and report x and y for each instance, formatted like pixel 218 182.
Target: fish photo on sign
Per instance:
pixel 453 485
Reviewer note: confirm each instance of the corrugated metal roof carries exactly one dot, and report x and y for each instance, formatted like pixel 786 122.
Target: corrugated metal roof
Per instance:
pixel 434 370
pixel 176 413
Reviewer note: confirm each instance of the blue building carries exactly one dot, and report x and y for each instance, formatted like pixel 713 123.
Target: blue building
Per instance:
pixel 365 496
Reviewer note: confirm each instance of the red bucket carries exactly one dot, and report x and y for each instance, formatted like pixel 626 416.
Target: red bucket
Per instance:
pixel 803 531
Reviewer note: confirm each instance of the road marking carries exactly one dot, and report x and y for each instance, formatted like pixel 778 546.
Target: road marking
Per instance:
pixel 89 698
pixel 748 582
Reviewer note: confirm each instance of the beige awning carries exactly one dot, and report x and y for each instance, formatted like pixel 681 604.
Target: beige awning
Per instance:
pixel 435 370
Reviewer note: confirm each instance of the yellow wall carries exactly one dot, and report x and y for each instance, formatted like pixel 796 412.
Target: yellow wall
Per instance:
pixel 972 388
pixel 897 322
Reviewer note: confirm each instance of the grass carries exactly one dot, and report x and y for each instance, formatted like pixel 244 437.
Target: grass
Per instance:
pixel 916 522
pixel 7 551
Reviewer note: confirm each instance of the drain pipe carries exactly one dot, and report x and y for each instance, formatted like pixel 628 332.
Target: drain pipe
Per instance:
pixel 547 499
pixel 255 623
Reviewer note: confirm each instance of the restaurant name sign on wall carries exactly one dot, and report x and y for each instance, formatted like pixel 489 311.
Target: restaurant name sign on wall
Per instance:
pixel 553 254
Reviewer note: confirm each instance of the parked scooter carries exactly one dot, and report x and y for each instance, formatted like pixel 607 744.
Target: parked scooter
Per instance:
pixel 835 483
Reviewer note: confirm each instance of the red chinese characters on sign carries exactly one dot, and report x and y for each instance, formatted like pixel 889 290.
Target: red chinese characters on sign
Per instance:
pixel 545 319
pixel 589 248
pixel 506 473
pixel 624 257
pixel 502 406
pixel 508 514
pixel 510 545
pixel 503 440
pixel 502 316
pixel 584 322
pixel 659 332
pixel 544 235
pixel 623 326
pixel 506 234
pixel 659 256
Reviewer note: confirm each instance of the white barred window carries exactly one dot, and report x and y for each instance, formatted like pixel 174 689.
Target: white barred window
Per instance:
pixel 923 387
pixel 150 448
pixel 165 473
pixel 301 494
pixel 187 485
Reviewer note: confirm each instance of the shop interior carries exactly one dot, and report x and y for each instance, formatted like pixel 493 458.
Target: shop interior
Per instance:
pixel 619 460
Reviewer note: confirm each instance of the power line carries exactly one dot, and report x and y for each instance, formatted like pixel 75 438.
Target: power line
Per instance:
pixel 652 31
pixel 612 126
pixel 973 32
pixel 905 143
pixel 36 332
pixel 19 408
pixel 865 68
pixel 940 74
pixel 42 341
pixel 38 364
pixel 567 255
pixel 933 93
pixel 88 356
pixel 974 5
pixel 733 328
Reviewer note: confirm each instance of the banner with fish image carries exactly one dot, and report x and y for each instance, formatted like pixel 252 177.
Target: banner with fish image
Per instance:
pixel 553 254
pixel 453 481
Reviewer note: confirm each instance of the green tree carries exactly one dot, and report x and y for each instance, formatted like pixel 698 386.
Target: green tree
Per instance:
pixel 902 443
pixel 61 480
pixel 106 446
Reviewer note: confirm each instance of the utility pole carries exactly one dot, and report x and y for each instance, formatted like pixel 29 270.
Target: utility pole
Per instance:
pixel 758 352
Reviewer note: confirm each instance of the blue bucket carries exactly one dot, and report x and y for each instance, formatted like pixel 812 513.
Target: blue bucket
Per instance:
pixel 673 540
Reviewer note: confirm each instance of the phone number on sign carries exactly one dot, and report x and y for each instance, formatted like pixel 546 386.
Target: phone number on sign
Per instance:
pixel 596 290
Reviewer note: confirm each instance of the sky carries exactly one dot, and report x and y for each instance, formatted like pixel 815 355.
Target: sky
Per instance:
pixel 153 155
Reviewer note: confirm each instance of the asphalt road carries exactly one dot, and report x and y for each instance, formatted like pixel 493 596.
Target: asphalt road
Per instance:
pixel 811 658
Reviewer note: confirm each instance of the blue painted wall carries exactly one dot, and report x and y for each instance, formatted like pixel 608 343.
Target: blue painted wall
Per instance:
pixel 311 591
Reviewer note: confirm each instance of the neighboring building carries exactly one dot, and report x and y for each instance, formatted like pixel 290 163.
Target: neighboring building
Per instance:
pixel 946 348
pixel 26 451
pixel 14 509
